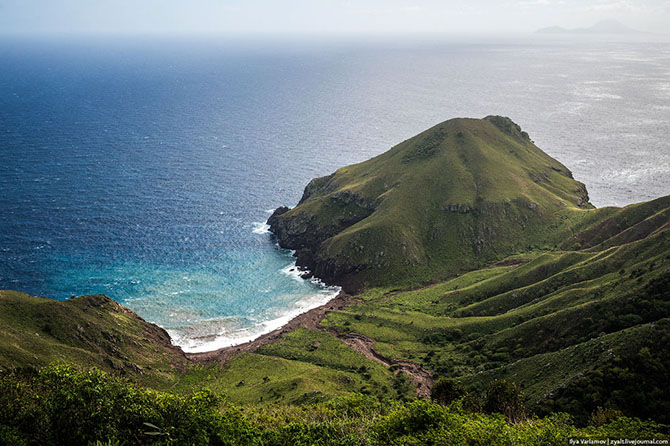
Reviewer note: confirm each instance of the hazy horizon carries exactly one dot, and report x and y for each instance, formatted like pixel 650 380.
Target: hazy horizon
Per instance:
pixel 324 17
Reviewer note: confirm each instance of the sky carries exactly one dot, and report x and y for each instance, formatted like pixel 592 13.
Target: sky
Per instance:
pixel 324 16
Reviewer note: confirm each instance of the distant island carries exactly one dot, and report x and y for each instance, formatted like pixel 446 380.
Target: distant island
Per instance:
pixel 602 27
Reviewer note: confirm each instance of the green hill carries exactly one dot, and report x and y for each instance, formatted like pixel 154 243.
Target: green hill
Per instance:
pixel 456 197
pixel 96 332
pixel 577 329
pixel 90 331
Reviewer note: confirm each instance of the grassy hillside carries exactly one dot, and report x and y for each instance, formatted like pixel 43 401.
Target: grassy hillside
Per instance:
pixel 94 331
pixel 305 366
pixel 454 198
pixel 553 321
pixel 88 331
pixel 59 405
pixel 576 292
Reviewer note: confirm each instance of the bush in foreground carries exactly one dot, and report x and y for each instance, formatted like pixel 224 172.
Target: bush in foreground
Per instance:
pixel 59 405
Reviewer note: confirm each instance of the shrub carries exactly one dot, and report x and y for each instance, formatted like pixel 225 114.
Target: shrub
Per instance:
pixel 403 386
pixel 446 390
pixel 59 405
pixel 506 398
pixel 601 416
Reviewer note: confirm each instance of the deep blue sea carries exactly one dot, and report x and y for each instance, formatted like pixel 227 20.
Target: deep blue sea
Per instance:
pixel 144 168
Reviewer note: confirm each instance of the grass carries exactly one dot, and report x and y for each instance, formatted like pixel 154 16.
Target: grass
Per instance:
pixel 253 379
pixel 60 405
pixel 540 373
pixel 88 331
pixel 304 366
pixel 440 209
pixel 557 307
pixel 94 331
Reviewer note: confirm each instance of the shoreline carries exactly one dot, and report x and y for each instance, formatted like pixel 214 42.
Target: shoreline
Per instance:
pixel 421 378
pixel 309 319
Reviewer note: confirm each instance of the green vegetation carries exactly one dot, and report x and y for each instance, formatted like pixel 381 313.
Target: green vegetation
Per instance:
pixel 94 331
pixel 88 331
pixel 59 405
pixel 361 375
pixel 260 379
pixel 577 329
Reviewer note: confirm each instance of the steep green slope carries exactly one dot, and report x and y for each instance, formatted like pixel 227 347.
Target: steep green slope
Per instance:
pixel 611 226
pixel 451 199
pixel 88 331
pixel 304 366
pixel 61 406
pixel 576 309
pixel 577 291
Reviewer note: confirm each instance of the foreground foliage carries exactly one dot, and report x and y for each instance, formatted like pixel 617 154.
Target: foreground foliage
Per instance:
pixel 59 405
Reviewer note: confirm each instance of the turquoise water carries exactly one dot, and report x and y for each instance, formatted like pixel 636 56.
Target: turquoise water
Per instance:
pixel 231 299
pixel 144 170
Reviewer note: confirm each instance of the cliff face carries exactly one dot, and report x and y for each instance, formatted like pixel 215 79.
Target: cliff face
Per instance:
pixel 458 196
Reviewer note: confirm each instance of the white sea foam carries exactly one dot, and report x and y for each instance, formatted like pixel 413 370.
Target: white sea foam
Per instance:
pixel 663 87
pixel 195 334
pixel 638 172
pixel 229 331
pixel 293 272
pixel 601 82
pixel 260 228
pixel 573 107
pixel 595 93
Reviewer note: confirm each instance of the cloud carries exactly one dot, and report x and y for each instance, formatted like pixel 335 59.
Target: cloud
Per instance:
pixel 616 6
pixel 535 2
pixel 325 16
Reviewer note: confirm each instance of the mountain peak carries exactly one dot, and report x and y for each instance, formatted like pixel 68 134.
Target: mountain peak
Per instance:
pixel 462 194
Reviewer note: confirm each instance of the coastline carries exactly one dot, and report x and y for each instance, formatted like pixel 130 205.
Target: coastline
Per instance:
pixel 309 319
pixel 421 378
pixel 322 295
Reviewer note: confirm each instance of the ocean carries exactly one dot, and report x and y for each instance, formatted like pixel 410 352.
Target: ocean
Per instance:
pixel 145 168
